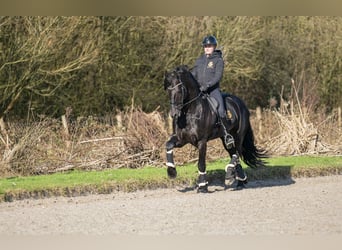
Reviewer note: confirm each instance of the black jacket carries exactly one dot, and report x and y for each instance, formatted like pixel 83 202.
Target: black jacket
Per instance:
pixel 208 71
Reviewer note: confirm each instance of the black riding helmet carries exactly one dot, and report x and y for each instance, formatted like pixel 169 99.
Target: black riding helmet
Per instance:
pixel 209 40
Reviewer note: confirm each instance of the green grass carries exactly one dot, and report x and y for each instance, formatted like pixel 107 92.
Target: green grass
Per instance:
pixel 74 183
pixel 307 161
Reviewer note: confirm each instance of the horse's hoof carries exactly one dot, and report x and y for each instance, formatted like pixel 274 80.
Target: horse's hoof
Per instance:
pixel 171 172
pixel 202 189
pixel 240 185
pixel 202 183
pixel 240 174
pixel 228 183
pixel 230 176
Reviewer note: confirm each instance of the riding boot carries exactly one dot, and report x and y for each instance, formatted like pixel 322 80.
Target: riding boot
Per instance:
pixel 228 138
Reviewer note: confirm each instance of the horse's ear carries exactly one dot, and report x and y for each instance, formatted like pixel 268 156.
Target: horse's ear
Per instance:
pixel 185 68
pixel 182 68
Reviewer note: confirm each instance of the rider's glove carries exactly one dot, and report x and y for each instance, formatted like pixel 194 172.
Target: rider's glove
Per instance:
pixel 203 88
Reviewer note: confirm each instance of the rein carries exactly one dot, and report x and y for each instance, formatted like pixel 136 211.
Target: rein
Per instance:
pixel 193 99
pixel 181 106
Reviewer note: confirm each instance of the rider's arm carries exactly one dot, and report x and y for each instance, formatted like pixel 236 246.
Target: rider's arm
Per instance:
pixel 218 73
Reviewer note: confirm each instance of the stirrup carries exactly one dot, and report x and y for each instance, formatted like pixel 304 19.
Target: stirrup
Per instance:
pixel 228 140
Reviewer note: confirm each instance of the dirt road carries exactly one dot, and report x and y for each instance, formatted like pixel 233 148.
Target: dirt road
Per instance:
pixel 305 206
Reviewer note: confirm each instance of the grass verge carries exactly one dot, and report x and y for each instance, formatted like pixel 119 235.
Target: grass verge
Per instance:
pixel 76 183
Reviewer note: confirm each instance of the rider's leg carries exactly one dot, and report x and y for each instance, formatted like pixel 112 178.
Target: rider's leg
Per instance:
pixel 225 122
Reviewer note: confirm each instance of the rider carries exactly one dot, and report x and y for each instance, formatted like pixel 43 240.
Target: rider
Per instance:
pixel 208 71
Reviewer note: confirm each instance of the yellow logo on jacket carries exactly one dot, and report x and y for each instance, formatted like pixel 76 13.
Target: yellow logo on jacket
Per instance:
pixel 210 65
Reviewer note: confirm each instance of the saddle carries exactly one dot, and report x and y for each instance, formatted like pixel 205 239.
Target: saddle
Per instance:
pixel 229 106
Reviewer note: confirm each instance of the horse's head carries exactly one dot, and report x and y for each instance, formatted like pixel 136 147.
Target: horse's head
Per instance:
pixel 176 90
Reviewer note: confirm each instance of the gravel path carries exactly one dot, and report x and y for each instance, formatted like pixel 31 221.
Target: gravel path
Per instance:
pixel 304 206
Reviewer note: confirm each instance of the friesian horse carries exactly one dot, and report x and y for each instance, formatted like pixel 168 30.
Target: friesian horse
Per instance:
pixel 195 121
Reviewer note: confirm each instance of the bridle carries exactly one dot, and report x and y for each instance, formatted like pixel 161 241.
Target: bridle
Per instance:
pixel 180 106
pixel 174 105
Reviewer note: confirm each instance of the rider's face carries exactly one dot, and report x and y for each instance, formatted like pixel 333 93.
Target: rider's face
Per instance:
pixel 209 49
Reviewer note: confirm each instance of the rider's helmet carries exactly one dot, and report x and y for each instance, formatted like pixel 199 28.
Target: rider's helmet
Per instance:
pixel 209 40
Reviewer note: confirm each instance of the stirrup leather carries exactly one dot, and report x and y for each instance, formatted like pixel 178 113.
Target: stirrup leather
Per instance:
pixel 228 138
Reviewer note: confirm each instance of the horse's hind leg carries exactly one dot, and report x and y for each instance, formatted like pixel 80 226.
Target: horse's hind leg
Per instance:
pixel 240 174
pixel 230 167
pixel 202 182
pixel 234 172
pixel 230 171
pixel 234 169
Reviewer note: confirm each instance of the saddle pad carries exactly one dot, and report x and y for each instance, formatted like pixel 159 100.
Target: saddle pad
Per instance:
pixel 230 108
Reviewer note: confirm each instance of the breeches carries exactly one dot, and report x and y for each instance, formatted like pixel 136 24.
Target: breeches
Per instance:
pixel 218 97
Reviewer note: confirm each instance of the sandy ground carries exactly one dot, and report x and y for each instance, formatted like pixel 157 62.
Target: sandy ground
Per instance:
pixel 304 206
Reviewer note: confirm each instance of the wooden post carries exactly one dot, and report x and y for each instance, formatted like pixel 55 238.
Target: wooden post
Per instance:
pixel 118 118
pixel 3 130
pixel 259 120
pixel 66 131
pixel 65 125
pixel 339 119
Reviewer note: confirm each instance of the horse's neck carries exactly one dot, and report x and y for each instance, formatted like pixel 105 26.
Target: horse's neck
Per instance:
pixel 193 94
pixel 194 100
pixel 192 88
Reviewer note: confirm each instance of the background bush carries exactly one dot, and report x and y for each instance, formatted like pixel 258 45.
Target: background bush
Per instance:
pixel 97 65
pixel 104 76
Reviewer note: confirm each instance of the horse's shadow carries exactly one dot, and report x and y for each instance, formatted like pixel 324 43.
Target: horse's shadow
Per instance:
pixel 264 177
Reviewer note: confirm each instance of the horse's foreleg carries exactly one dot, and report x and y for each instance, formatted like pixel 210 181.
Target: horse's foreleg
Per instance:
pixel 202 177
pixel 171 168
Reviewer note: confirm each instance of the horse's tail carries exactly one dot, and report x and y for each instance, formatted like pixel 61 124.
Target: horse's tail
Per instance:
pixel 252 155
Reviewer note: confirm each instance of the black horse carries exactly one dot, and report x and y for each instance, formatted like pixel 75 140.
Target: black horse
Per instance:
pixel 195 121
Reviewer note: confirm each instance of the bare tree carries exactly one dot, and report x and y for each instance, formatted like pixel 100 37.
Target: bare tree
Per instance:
pixel 41 54
pixel 38 55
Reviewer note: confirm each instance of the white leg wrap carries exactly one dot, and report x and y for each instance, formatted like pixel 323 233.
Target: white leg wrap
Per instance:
pixel 202 172
pixel 240 179
pixel 230 165
pixel 170 151
pixel 170 164
pixel 202 184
